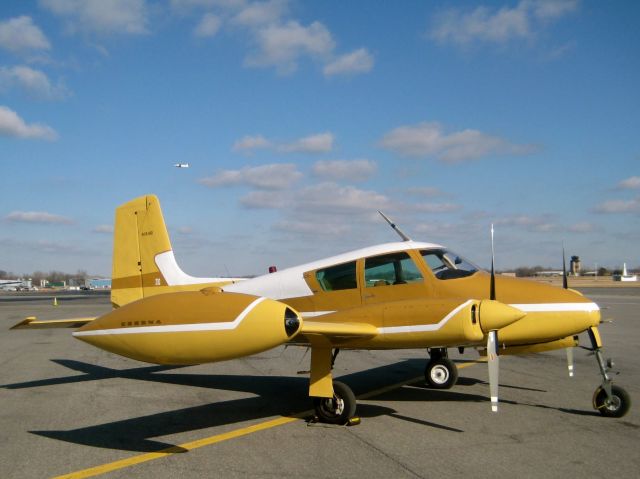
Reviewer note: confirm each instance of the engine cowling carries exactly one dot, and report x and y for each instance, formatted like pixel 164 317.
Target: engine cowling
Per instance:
pixel 193 327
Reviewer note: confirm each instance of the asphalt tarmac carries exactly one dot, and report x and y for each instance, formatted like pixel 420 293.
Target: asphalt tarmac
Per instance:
pixel 70 410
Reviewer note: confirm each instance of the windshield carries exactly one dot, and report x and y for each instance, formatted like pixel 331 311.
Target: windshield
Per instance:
pixel 447 264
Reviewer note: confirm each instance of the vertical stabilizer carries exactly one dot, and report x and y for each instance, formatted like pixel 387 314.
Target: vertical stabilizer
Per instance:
pixel 139 235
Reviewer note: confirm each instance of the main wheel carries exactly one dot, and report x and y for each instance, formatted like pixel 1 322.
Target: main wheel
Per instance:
pixel 441 373
pixel 338 409
pixel 618 406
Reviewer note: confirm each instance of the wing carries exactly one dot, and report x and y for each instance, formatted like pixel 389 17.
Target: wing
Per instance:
pixel 32 322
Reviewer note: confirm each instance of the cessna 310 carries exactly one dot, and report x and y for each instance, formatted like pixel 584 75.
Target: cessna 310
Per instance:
pixel 402 295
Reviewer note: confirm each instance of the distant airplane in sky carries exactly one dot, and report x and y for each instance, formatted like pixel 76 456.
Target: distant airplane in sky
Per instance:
pixel 181 165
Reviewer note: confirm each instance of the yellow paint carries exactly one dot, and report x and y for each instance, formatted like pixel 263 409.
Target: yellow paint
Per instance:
pixel 320 382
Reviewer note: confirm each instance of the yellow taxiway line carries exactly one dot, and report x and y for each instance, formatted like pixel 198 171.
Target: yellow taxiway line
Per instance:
pixel 207 441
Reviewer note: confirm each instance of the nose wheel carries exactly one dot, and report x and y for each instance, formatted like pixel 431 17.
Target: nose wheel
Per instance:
pixel 608 399
pixel 440 372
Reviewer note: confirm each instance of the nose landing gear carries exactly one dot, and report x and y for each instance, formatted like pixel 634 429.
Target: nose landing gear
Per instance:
pixel 608 400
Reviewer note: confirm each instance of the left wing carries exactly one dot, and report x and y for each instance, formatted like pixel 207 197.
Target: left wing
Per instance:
pixel 335 333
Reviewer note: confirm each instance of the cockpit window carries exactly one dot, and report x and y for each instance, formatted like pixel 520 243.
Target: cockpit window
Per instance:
pixel 341 276
pixel 448 265
pixel 389 269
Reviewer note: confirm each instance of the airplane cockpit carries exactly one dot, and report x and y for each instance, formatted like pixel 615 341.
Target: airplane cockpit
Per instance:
pixel 448 265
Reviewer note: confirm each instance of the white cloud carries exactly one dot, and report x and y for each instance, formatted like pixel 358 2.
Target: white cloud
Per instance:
pixel 313 228
pixel 336 199
pixel 353 170
pixel 208 26
pixel 276 176
pixel 101 16
pixel 319 143
pixel 103 229
pixel 463 27
pixel 36 217
pixel 262 199
pixel 538 224
pixel 33 82
pixel 282 45
pixel 19 35
pixel 619 206
pixel 13 126
pixel 260 13
pixel 250 143
pixel 631 183
pixel 358 61
pixel 428 139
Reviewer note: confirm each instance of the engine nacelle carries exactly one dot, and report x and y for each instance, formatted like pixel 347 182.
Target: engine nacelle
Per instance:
pixel 193 327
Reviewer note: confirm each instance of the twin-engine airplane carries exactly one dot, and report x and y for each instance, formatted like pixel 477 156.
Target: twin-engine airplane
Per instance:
pixel 397 295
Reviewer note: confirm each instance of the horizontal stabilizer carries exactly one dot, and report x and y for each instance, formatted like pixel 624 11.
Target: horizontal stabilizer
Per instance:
pixel 32 322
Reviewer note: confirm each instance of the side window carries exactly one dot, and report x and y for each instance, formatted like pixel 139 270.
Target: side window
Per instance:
pixel 389 269
pixel 334 278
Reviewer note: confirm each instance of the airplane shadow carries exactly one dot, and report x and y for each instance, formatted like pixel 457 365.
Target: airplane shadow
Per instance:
pixel 274 396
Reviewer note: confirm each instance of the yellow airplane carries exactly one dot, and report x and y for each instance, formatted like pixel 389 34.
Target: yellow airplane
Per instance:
pixel 401 295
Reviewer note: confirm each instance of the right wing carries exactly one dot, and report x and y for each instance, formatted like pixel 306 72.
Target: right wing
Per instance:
pixel 32 322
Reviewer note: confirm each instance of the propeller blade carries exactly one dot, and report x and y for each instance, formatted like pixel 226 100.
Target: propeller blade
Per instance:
pixel 564 271
pixel 492 288
pixel 494 365
pixel 570 361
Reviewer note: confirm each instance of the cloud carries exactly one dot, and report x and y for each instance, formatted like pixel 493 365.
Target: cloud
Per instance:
pixel 619 206
pixel 36 217
pixel 353 170
pixel 318 143
pixel 336 199
pixel 358 61
pixel 20 35
pixel 313 228
pixel 33 82
pixel 429 140
pixel 260 13
pixel 264 200
pixel 631 183
pixel 12 125
pixel 250 143
pixel 208 26
pixel 283 45
pixel 103 229
pixel 485 24
pixel 276 176
pixel 101 16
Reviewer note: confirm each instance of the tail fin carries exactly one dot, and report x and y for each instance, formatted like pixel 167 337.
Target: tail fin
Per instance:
pixel 143 260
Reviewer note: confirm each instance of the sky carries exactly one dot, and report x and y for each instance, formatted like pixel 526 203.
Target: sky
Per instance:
pixel 300 120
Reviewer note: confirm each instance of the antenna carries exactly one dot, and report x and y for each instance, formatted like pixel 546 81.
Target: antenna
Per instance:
pixel 395 228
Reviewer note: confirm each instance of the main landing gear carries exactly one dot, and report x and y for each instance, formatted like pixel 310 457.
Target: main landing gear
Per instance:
pixel 441 372
pixel 340 408
pixel 608 400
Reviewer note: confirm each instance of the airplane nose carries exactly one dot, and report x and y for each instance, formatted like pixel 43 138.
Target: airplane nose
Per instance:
pixel 495 315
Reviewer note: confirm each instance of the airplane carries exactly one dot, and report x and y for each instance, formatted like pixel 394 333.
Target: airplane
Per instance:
pixel 400 295
pixel 181 165
pixel 10 284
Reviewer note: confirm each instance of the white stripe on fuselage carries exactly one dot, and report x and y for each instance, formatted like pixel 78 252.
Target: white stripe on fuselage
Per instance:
pixel 175 328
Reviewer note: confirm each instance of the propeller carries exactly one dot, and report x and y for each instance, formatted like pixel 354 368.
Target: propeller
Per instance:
pixel 492 340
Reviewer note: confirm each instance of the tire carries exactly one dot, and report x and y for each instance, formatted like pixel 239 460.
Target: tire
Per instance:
pixel 617 407
pixel 441 374
pixel 340 408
